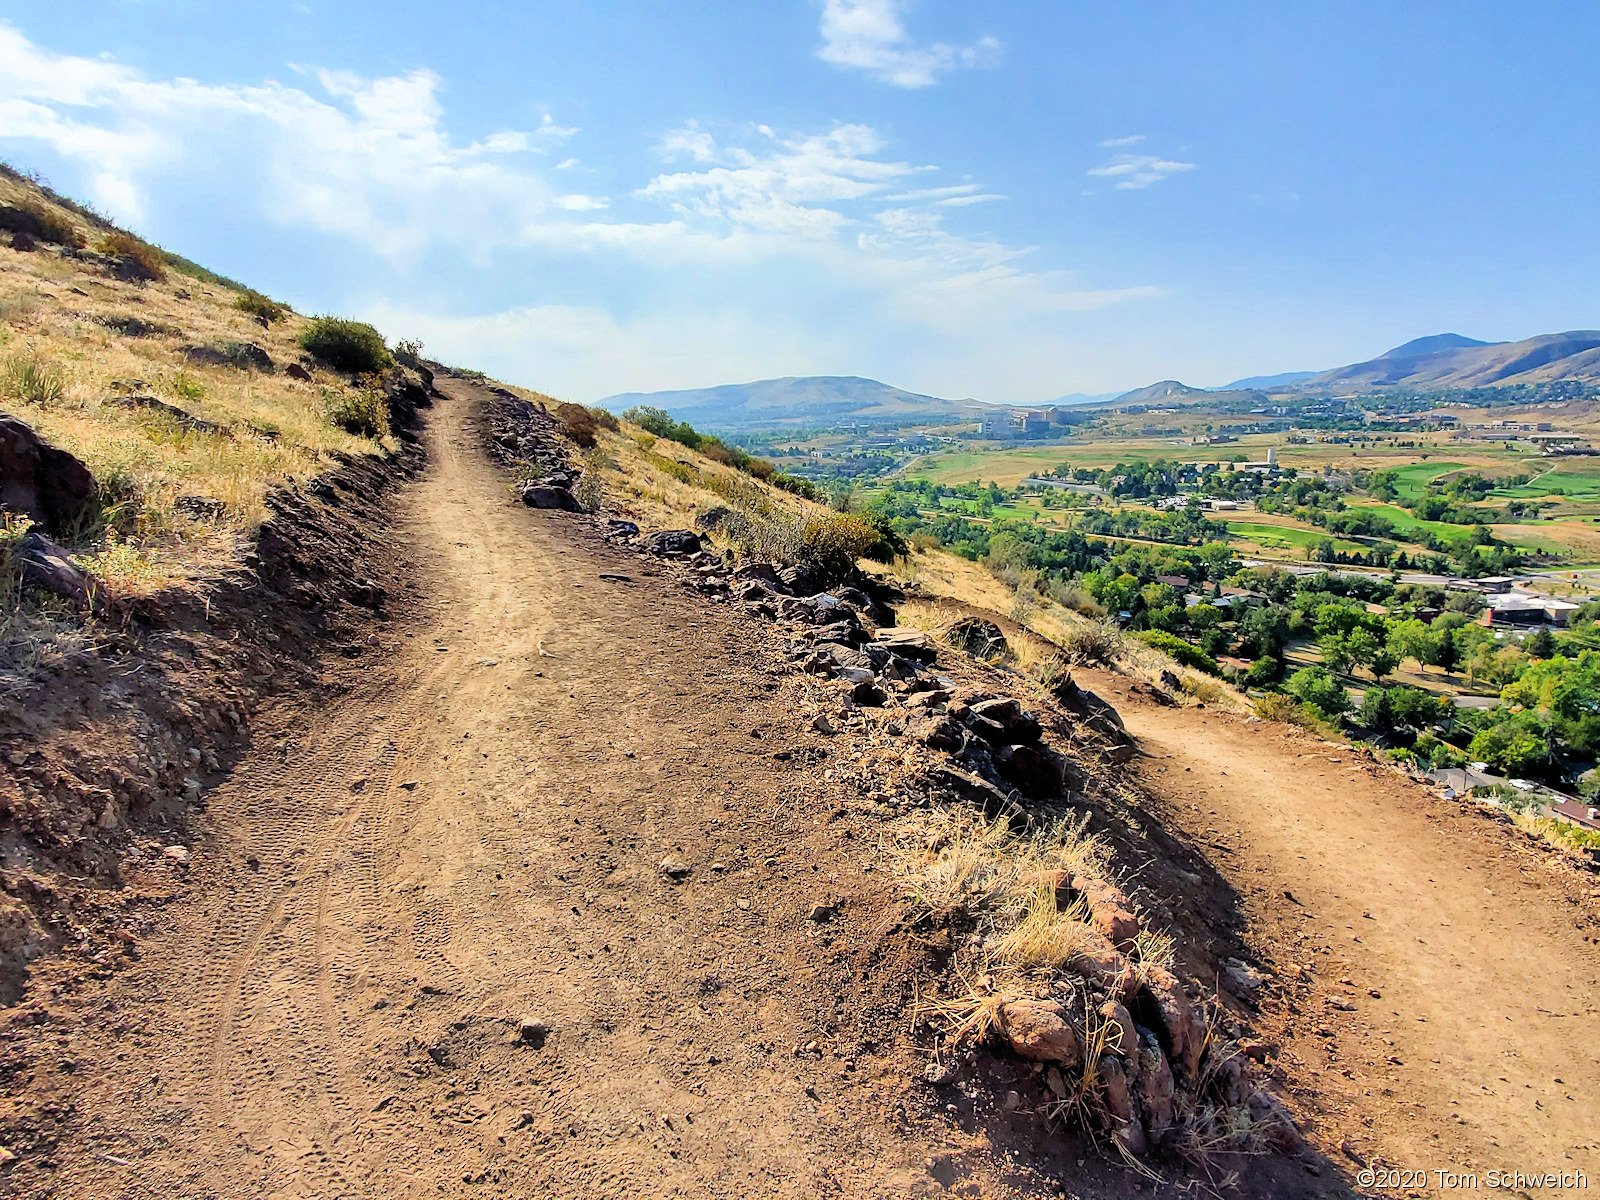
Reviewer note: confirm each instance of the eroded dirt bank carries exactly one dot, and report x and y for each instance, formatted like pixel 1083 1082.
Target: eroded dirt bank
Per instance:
pixel 1436 980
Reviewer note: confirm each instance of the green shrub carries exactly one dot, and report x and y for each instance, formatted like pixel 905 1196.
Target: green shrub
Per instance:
pixel 1180 650
pixel 352 346
pixel 136 256
pixel 797 486
pixel 363 411
pixel 257 305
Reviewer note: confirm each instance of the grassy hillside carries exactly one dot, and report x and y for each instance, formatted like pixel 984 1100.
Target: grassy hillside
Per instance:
pixel 141 364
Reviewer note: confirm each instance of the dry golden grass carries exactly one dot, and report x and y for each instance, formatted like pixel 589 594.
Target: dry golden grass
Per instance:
pixel 58 319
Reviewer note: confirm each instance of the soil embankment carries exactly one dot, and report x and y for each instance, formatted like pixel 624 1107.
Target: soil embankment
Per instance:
pixel 1448 976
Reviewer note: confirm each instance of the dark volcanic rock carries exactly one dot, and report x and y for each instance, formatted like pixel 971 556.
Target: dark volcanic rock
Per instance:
pixel 671 541
pixel 1034 768
pixel 1019 726
pixel 548 495
pixel 46 566
pixel 45 483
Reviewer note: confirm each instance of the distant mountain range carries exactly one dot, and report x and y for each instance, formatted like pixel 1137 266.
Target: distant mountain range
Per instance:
pixel 1443 360
pixel 797 400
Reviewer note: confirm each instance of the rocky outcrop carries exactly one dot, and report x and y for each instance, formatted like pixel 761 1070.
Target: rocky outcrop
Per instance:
pixel 39 481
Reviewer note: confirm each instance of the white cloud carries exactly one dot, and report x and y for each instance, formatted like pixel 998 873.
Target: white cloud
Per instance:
pixel 1131 140
pixel 869 35
pixel 369 160
pixel 793 187
pixel 761 252
pixel 1134 171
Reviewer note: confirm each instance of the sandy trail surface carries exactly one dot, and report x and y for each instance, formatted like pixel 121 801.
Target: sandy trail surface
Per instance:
pixel 1452 970
pixel 471 839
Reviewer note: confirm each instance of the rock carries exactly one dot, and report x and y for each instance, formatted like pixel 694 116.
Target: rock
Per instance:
pixel 1272 1119
pixel 1093 711
pixel 928 699
pixel 46 566
pixel 296 371
pixel 1019 726
pixel 822 913
pixel 1039 1030
pixel 989 730
pixel 803 579
pixel 177 854
pixel 713 518
pixel 1109 911
pixel 532 1033
pixel 1243 979
pixel 45 483
pixel 1122 1036
pixel 981 639
pixel 854 598
pixel 971 789
pixel 940 733
pixel 153 404
pixel 907 643
pixel 1119 1095
pixel 1156 1087
pixel 1100 961
pixel 366 594
pixel 544 495
pixel 822 725
pixel 1170 681
pixel 762 573
pixel 1162 1006
pixel 621 531
pixel 675 870
pixel 199 508
pixel 243 355
pixel 671 541
pixel 1035 769
pixel 751 593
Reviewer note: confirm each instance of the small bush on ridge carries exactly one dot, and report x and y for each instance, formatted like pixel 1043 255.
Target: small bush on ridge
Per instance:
pixel 346 345
pixel 135 255
pixel 257 305
pixel 363 412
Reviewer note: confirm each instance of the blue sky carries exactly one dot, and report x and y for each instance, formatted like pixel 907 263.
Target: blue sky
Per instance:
pixel 1010 202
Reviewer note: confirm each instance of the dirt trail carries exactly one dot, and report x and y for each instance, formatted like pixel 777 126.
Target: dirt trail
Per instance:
pixel 1477 1051
pixel 470 838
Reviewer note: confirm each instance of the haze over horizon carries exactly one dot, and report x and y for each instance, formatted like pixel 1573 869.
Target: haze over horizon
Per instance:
pixel 1010 204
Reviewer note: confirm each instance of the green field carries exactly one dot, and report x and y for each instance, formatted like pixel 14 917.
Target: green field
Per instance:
pixel 1405 523
pixel 1578 480
pixel 1411 480
pixel 1297 536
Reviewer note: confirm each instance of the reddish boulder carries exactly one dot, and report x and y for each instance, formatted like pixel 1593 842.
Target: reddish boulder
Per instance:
pixel 1039 1030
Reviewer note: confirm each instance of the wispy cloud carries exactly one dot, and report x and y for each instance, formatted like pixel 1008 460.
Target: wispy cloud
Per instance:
pixel 1134 171
pixel 367 158
pixel 749 250
pixel 1133 139
pixel 870 36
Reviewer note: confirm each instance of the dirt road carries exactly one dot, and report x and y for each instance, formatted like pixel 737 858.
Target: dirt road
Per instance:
pixel 1464 1036
pixel 469 841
